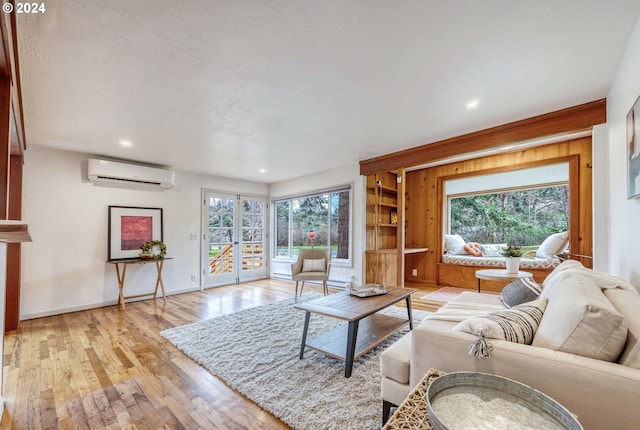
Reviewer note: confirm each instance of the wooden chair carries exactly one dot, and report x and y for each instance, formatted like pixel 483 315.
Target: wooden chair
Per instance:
pixel 314 269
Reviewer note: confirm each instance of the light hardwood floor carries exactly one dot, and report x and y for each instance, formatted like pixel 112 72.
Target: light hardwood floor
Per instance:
pixel 106 368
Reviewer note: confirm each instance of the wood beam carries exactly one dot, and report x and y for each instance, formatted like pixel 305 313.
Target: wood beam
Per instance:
pixel 573 119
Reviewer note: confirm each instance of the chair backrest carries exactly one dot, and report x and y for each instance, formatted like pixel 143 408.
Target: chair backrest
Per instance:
pixel 312 254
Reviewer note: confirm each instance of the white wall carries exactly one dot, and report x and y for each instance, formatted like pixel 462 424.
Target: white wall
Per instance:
pixel 349 174
pixel 530 176
pixel 64 267
pixel 600 198
pixel 624 214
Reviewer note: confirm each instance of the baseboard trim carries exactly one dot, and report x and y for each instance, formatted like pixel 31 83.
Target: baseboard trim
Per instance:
pixel 60 311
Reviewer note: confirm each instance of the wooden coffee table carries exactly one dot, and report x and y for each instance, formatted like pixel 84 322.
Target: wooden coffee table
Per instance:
pixel 343 342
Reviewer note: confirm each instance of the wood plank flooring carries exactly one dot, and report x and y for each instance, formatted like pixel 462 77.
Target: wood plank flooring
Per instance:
pixel 106 368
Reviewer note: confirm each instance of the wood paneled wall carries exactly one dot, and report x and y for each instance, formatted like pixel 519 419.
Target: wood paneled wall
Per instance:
pixel 424 199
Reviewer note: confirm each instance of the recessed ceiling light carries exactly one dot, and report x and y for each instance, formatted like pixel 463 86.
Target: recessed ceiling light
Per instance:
pixel 125 143
pixel 262 170
pixel 472 104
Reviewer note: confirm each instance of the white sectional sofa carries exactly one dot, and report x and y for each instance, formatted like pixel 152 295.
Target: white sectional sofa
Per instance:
pixel 585 353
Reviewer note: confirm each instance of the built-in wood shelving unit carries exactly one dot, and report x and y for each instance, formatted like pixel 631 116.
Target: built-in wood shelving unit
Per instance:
pixel 386 229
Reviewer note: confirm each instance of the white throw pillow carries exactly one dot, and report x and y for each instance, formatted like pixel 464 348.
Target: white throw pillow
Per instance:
pixel 453 243
pixel 552 245
pixel 313 265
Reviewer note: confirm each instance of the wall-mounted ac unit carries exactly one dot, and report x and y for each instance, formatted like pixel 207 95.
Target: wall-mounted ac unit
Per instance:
pixel 130 175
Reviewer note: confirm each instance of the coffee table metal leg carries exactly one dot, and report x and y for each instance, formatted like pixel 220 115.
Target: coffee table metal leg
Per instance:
pixel 408 299
pixel 304 334
pixel 351 347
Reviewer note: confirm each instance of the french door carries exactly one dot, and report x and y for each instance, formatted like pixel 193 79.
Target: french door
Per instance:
pixel 233 238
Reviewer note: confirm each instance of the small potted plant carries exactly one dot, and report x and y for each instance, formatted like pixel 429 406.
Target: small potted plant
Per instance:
pixel 153 249
pixel 512 254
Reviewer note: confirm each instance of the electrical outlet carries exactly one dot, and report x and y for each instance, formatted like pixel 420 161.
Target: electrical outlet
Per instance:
pixel 194 278
pixel 414 272
pixel 194 236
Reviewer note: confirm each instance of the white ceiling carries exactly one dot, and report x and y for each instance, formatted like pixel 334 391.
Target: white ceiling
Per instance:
pixel 294 87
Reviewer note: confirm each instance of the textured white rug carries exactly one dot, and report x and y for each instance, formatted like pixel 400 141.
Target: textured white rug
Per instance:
pixel 256 352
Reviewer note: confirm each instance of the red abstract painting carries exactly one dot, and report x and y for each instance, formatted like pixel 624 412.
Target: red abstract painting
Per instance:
pixel 135 231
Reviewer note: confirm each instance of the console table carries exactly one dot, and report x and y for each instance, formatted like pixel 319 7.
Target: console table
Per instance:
pixel 126 262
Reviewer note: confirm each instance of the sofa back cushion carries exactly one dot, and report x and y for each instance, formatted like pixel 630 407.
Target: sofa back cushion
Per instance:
pixel 628 304
pixel 580 320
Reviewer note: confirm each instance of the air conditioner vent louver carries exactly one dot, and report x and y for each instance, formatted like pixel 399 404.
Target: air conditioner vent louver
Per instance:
pixel 137 181
pixel 103 172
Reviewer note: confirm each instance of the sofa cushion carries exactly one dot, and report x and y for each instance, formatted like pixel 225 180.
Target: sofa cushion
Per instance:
pixel 395 360
pixel 518 324
pixel 553 245
pixel 580 320
pixel 520 291
pixel 628 303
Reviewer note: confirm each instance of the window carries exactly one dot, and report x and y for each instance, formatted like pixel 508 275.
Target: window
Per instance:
pixel 523 216
pixel 321 220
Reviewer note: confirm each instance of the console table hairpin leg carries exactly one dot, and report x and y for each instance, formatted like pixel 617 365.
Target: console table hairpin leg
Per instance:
pixel 125 263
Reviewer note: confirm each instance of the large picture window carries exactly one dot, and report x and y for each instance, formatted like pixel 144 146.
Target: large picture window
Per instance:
pixel 523 217
pixel 521 206
pixel 320 220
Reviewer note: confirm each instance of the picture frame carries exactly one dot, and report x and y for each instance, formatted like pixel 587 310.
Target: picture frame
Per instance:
pixel 129 228
pixel 633 151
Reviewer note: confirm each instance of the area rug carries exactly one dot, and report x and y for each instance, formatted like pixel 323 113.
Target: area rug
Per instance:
pixel 444 294
pixel 256 352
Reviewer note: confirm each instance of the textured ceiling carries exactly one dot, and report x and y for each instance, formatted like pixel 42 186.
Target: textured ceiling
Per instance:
pixel 294 87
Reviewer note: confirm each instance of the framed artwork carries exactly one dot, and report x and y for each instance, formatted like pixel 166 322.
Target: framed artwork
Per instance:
pixel 130 228
pixel 633 151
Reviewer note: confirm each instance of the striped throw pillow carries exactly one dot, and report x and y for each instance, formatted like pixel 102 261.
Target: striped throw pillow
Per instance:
pixel 518 324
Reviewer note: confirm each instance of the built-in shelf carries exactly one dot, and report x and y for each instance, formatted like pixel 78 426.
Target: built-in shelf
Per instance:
pixel 415 250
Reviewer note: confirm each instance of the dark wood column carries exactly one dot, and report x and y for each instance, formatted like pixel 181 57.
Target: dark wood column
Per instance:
pixel 5 143
pixel 12 295
pixel 12 149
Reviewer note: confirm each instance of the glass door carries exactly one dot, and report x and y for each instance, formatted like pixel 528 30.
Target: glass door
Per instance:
pixel 233 239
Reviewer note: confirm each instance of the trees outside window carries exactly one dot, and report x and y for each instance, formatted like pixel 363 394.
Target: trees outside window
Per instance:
pixel 524 216
pixel 327 214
